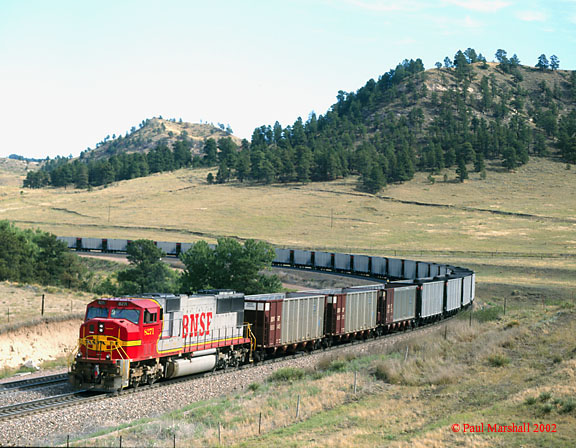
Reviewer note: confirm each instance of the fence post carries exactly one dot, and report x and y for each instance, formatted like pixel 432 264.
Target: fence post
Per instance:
pixel 406 355
pixel 219 434
pixel 68 441
pixel 259 423
pixel 505 299
pixel 355 376
pixel 8 314
pixel 298 407
pixel 42 305
pixel 470 318
pixel 174 440
pixel 120 441
pixel 445 331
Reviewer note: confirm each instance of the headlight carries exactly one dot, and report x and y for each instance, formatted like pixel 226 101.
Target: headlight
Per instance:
pixel 101 327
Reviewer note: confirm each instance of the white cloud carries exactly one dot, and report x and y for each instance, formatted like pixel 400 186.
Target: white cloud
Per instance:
pixel 469 22
pixel 531 16
pixel 480 5
pixel 389 5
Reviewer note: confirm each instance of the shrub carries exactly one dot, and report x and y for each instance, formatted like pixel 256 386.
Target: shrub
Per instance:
pixel 287 374
pixel 488 314
pixel 388 371
pixel 498 360
pixel 338 365
pixel 567 406
pixel 544 396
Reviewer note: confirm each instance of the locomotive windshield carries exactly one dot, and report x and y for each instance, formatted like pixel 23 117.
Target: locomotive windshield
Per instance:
pixel 123 313
pixel 94 313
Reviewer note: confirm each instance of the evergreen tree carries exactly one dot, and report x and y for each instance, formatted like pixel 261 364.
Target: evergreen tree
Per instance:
pixel 542 63
pixel 211 152
pixel 148 273
pixel 242 168
pixel 374 179
pixel 554 62
pixel 461 170
pixel 229 266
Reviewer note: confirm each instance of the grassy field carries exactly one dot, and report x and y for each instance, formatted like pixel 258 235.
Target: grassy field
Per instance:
pixel 538 201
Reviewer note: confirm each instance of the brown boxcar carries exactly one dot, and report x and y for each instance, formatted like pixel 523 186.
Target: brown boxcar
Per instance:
pixel 264 313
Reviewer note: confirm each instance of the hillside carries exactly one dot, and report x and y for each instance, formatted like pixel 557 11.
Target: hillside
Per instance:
pixel 409 120
pixel 470 115
pixel 154 131
pixel 12 171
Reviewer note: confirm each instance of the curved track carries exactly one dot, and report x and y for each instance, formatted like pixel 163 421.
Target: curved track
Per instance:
pixel 80 397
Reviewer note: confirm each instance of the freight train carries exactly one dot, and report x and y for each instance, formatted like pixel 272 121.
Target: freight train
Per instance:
pixel 130 341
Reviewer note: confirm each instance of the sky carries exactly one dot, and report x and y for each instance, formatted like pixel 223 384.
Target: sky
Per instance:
pixel 73 72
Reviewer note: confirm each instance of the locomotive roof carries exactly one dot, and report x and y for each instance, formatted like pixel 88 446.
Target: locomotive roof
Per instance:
pixel 138 301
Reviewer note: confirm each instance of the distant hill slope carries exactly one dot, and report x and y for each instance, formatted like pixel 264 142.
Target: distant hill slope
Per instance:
pixel 460 115
pixel 412 119
pixel 12 171
pixel 154 131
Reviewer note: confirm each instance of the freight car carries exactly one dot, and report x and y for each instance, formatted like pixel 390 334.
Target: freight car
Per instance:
pixel 131 341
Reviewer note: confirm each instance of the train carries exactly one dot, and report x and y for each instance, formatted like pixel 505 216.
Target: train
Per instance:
pixel 132 341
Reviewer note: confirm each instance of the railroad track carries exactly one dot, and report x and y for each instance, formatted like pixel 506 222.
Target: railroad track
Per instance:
pixel 45 404
pixel 33 383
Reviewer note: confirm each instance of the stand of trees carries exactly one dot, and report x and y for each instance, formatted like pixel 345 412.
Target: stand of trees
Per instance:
pixel 422 130
pixel 384 132
pixel 34 256
pixel 230 265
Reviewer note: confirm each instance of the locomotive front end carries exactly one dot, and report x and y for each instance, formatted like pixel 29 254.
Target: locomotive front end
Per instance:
pixel 109 339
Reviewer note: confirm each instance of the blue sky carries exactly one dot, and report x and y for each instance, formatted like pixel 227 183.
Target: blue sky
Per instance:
pixel 72 72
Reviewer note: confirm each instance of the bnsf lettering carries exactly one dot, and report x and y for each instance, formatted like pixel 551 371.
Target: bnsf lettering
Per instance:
pixel 191 323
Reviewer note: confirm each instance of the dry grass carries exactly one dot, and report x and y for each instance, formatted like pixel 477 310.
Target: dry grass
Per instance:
pixel 22 304
pixel 181 206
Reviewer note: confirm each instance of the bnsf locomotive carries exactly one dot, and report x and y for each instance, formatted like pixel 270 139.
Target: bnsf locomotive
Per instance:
pixel 131 341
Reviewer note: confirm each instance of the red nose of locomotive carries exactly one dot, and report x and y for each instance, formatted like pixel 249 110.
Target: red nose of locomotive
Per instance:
pixel 105 339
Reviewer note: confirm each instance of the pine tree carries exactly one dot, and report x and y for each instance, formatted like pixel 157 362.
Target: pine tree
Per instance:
pixel 374 180
pixel 461 170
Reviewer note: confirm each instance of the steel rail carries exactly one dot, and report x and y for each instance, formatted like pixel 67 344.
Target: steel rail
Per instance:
pixel 31 383
pixel 46 404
